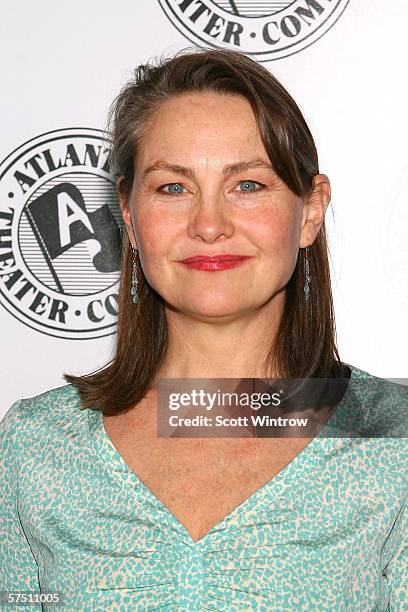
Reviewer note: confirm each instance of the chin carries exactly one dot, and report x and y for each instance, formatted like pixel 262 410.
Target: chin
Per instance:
pixel 214 317
pixel 210 305
pixel 212 308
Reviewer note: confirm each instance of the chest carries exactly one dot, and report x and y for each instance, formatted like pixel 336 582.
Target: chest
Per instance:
pixel 201 481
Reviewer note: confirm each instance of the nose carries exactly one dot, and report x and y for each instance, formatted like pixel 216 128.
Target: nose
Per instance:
pixel 210 218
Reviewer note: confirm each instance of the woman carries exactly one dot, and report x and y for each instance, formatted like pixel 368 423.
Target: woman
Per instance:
pixel 214 161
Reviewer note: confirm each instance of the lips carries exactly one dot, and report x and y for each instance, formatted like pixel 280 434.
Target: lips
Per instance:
pixel 214 258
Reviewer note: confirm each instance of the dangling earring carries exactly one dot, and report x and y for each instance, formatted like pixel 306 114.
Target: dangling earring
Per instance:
pixel 307 275
pixel 133 289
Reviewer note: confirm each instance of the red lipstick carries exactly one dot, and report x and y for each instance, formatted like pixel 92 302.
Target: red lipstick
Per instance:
pixel 216 262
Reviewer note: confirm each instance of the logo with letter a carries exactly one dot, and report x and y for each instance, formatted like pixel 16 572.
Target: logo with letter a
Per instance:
pixel 61 235
pixel 266 29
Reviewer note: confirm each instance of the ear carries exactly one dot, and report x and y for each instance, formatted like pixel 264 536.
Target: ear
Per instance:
pixel 314 210
pixel 125 211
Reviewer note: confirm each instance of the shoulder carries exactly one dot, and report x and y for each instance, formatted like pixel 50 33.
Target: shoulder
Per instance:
pixel 30 422
pixel 373 427
pixel 382 405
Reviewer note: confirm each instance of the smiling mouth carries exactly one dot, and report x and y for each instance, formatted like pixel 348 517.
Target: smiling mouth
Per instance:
pixel 214 258
pixel 214 264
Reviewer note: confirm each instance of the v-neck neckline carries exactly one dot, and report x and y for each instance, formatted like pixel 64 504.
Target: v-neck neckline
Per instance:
pixel 110 454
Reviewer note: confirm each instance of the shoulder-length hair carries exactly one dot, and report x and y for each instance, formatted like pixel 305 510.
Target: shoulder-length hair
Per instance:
pixel 304 345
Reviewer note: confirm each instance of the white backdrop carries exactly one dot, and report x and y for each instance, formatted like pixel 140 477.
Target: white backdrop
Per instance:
pixel 63 63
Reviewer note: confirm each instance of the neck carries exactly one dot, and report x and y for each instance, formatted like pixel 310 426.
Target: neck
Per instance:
pixel 232 347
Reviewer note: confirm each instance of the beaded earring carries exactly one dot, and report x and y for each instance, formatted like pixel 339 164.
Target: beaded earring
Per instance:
pixel 306 287
pixel 133 289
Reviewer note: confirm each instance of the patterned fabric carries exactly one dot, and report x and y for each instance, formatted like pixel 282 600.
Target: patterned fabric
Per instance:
pixel 328 532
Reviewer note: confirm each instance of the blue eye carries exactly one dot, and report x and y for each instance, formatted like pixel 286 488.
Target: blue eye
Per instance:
pixel 176 191
pixel 177 188
pixel 249 183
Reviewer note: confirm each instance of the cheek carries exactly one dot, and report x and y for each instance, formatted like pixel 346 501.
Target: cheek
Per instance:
pixel 278 241
pixel 154 235
pixel 278 232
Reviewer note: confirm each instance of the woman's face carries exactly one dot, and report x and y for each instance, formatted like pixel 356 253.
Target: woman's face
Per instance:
pixel 192 195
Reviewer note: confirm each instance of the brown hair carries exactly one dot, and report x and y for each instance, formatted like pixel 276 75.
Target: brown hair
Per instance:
pixel 305 342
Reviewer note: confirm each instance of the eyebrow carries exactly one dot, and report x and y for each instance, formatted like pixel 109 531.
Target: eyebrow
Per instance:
pixel 189 172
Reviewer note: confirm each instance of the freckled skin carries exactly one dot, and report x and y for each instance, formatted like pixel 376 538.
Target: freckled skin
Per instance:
pixel 217 321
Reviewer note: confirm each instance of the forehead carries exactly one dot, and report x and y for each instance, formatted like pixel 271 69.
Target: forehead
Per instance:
pixel 203 106
pixel 212 124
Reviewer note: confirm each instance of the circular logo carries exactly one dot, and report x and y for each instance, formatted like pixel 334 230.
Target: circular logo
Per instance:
pixel 60 235
pixel 268 30
pixel 393 238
